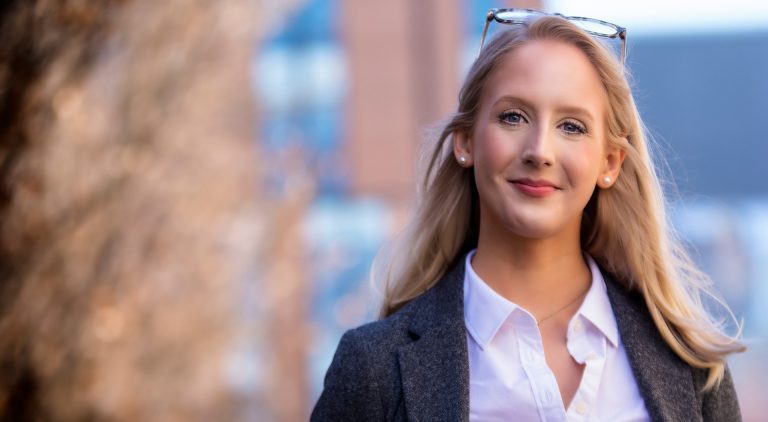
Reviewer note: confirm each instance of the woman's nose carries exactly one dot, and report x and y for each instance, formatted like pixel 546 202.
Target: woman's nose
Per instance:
pixel 539 148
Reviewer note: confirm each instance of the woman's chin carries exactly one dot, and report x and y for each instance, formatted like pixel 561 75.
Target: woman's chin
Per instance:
pixel 533 223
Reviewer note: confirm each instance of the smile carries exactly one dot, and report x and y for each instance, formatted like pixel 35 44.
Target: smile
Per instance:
pixel 535 191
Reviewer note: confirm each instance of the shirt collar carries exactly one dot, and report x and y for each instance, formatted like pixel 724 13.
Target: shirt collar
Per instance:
pixel 485 310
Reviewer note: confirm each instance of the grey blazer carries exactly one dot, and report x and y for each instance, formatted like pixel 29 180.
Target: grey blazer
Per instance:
pixel 414 365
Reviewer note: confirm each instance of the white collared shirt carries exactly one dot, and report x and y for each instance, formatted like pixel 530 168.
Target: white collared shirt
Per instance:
pixel 508 373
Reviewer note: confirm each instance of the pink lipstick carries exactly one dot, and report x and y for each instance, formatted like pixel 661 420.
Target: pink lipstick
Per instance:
pixel 535 188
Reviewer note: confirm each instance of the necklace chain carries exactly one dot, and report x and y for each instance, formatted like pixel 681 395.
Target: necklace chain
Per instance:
pixel 563 308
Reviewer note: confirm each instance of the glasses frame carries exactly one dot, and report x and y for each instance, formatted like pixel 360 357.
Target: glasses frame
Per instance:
pixel 620 31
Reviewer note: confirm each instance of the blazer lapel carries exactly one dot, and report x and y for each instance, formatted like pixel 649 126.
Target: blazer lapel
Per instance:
pixel 665 380
pixel 434 368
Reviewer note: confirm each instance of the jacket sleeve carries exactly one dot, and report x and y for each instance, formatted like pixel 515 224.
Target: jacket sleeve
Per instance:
pixel 721 403
pixel 350 391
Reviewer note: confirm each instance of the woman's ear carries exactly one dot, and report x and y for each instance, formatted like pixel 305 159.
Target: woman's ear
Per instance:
pixel 462 149
pixel 614 157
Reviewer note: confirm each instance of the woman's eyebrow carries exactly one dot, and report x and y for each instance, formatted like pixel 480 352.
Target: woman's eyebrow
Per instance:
pixel 511 99
pixel 577 111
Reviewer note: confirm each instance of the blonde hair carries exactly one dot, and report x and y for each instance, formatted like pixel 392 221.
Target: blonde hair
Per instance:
pixel 624 228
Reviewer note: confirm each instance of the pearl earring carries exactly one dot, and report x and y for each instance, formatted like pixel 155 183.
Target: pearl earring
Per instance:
pixel 463 160
pixel 607 180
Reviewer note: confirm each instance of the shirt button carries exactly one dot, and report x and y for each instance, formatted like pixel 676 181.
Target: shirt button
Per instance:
pixel 581 408
pixel 577 326
pixel 591 356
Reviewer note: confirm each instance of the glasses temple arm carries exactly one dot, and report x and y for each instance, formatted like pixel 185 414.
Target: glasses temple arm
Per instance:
pixel 623 36
pixel 488 20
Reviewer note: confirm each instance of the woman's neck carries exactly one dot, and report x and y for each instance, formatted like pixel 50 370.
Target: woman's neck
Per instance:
pixel 533 273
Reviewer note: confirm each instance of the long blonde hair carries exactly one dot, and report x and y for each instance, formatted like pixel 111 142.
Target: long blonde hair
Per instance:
pixel 624 228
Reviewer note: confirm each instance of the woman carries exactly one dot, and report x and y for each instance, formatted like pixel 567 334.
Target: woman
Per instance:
pixel 538 280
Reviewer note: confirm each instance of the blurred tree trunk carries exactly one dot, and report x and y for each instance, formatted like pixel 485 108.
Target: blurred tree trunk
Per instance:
pixel 133 220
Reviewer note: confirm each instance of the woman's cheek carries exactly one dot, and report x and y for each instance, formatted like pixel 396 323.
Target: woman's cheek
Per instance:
pixel 498 148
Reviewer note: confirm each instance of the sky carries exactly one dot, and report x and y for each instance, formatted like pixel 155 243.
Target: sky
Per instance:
pixel 659 17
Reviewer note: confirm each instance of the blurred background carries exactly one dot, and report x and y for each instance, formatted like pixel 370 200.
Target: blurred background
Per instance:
pixel 357 86
pixel 192 192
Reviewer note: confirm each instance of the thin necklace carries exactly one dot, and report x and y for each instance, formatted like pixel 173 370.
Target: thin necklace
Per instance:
pixel 561 309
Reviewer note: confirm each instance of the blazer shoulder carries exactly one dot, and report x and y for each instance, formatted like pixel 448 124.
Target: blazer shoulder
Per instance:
pixel 381 335
pixel 364 381
pixel 672 388
pixel 359 383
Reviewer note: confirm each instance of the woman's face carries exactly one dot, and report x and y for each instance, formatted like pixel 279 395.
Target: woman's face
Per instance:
pixel 539 143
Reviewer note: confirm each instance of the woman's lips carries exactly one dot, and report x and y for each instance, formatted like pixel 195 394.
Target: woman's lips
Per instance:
pixel 535 188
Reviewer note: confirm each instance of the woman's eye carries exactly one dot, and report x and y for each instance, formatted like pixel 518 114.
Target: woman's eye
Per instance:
pixel 511 118
pixel 574 128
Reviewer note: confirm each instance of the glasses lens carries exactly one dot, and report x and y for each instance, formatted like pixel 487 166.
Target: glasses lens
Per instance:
pixel 595 27
pixel 518 16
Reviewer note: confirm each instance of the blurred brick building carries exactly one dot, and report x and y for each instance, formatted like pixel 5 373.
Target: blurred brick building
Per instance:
pixel 406 61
